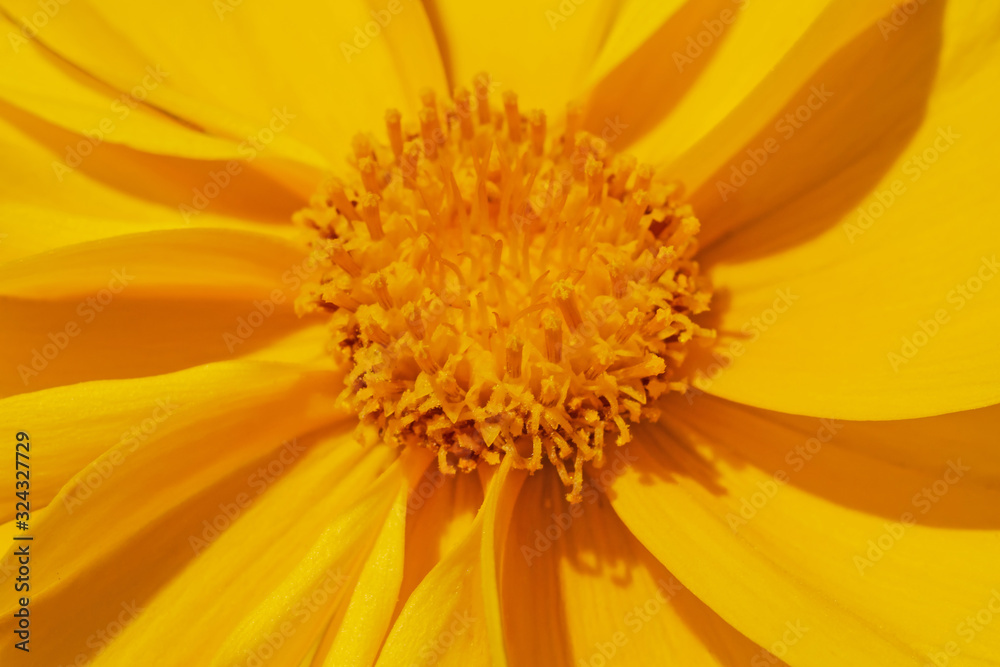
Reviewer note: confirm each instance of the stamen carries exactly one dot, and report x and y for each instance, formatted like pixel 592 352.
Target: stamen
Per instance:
pixel 580 154
pixel 373 218
pixel 574 119
pixel 636 207
pixel 623 170
pixel 632 324
pixel 369 175
pixel 537 121
pixel 619 280
pixel 502 293
pixel 429 127
pixel 565 296
pixel 515 346
pixel 334 189
pixel 482 88
pixel 428 99
pixel 414 321
pixel 513 116
pixel 362 146
pixel 381 289
pixel 464 111
pixel 393 123
pixel 343 259
pixel 595 181
pixel 643 178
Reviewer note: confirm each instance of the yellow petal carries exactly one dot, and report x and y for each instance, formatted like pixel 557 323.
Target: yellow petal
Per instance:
pixel 579 588
pixel 879 295
pixel 358 635
pixel 299 77
pixel 558 45
pixel 33 80
pixel 718 70
pixel 45 204
pixel 856 94
pixel 81 422
pixel 790 531
pixel 60 343
pixel 149 453
pixel 634 24
pixel 441 510
pixel 207 263
pixel 220 556
pixel 447 617
pixel 295 613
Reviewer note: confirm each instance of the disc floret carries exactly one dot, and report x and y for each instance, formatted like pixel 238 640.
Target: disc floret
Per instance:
pixel 498 292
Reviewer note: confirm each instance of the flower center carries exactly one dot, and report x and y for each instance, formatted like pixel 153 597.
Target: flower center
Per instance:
pixel 500 293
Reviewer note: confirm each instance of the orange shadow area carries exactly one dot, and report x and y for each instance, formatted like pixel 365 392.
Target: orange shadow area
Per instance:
pixel 126 338
pixel 239 188
pixel 825 151
pixel 585 571
pixel 644 88
pixel 110 594
pixel 939 470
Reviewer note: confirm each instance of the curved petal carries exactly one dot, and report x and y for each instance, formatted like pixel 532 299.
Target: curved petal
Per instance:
pixel 440 513
pixel 634 23
pixel 357 635
pixel 881 314
pixel 32 79
pixel 728 66
pixel 156 452
pixel 704 61
pixel 45 204
pixel 453 615
pixel 557 45
pixel 296 77
pixel 297 611
pixel 578 586
pixel 59 343
pixel 797 537
pixel 208 263
pixel 221 556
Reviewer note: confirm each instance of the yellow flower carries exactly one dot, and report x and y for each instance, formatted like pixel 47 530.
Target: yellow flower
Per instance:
pixel 501 394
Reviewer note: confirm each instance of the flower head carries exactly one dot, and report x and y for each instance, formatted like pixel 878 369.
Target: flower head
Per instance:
pixel 669 341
